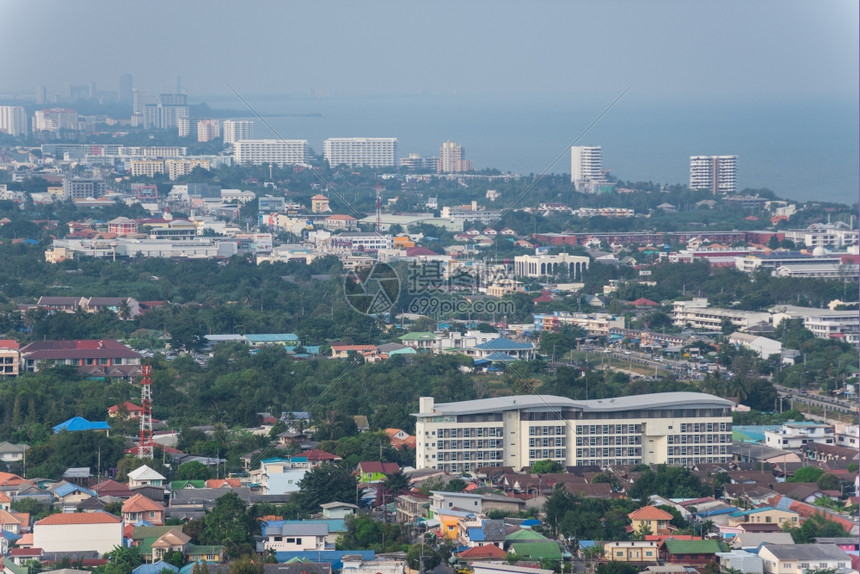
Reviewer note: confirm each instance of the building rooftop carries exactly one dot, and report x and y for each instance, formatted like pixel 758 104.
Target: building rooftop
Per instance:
pixel 553 403
pixel 807 552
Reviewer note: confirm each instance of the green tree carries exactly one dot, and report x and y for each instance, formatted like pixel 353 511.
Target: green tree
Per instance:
pixel 326 483
pixel 193 470
pixel 829 481
pixel 806 474
pixel 229 524
pixel 613 567
pixel 547 466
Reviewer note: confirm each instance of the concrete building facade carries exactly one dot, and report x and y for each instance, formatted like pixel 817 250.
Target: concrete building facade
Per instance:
pixel 673 428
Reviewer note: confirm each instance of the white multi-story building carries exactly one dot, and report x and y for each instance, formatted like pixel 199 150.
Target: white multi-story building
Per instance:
pixel 55 119
pixel 824 323
pixel 830 236
pixel 571 266
pixel 13 120
pixel 681 429
pixel 278 152
pixel 147 167
pixel 717 173
pixel 361 152
pixel 235 130
pixel 696 314
pixel 586 166
pixel 792 436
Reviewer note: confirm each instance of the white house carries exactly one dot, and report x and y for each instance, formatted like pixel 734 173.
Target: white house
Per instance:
pixel 68 532
pixel 296 537
pixel 797 558
pixel 145 476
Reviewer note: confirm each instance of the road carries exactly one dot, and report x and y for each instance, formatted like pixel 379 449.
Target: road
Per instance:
pixel 826 403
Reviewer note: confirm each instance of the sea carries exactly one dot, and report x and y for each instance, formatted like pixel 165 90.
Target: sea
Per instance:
pixel 801 150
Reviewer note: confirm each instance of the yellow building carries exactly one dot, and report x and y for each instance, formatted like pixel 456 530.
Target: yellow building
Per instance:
pixel 319 204
pixel 631 551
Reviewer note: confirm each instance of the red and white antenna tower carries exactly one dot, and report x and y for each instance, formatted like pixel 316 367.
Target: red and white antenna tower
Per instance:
pixel 144 445
pixel 378 207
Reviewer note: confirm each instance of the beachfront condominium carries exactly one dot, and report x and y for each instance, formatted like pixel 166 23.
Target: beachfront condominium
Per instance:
pixel 361 152
pixel 717 173
pixel 452 159
pixel 13 120
pixel 264 152
pixel 235 130
pixel 586 167
pixel 679 428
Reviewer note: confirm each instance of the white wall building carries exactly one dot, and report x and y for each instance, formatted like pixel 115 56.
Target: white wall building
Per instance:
pixel 696 314
pixel 824 323
pixel 793 436
pixel 586 166
pixel 278 152
pixel 674 428
pixel 76 531
pixel 235 130
pixel 13 120
pixel 717 173
pixel 361 152
pixel 571 266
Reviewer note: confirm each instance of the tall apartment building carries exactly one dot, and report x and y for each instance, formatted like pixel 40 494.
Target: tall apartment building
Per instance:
pixel 452 159
pixel 416 162
pixel 263 152
pixel 208 130
pixel 235 130
pixel 83 187
pixel 586 167
pixel 55 119
pixel 680 428
pixel 13 120
pixel 158 112
pixel 361 152
pixel 717 173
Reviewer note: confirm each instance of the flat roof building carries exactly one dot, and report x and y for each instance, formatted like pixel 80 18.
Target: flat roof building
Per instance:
pixel 361 152
pixel 678 428
pixel 278 152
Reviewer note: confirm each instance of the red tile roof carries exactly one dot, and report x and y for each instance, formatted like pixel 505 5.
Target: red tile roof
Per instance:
pixel 78 349
pixel 316 455
pixel 382 467
pixel 487 552
pixel 649 513
pixel 140 503
pixel 77 518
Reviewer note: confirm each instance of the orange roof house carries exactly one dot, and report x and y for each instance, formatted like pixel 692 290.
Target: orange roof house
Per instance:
pixel 139 507
pixel 650 518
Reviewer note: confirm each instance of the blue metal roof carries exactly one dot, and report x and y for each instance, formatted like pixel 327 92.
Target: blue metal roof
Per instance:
pixel 81 424
pixel 154 568
pixel 69 488
pixel 333 557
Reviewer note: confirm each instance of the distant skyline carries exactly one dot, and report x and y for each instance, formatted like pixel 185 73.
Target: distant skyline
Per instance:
pixel 672 50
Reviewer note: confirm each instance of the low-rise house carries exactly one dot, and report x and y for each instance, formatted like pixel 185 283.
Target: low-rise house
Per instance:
pixel 752 540
pixel 70 495
pixel 484 553
pixel 632 551
pixel 145 476
pixel 213 554
pixel 80 353
pixel 798 558
pixel 338 510
pixel 650 520
pixel 291 537
pixel 766 514
pixel 741 561
pixel 10 358
pixel 373 472
pixel 112 490
pixel 12 452
pixel 538 551
pixel 139 508
pixel 14 522
pixel 482 533
pixel 692 552
pixel 154 542
pixel 19 556
pixel 94 531
pixel 125 410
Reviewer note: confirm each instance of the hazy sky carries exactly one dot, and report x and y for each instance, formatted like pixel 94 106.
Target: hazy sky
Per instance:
pixel 671 49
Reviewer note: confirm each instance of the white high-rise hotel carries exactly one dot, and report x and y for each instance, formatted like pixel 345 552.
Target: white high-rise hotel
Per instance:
pixel 586 167
pixel 361 152
pixel 263 152
pixel 235 130
pixel 718 173
pixel 13 120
